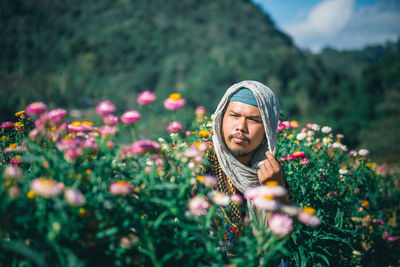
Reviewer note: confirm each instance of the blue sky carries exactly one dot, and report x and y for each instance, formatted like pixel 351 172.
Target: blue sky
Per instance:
pixel 342 24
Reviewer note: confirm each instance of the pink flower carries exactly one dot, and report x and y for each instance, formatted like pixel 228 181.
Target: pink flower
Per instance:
pixel 174 102
pixel 200 111
pixel 14 191
pixel 198 206
pixel 120 188
pixel 15 161
pixel 146 97
pixel 306 216
pixel 305 161
pixel 280 224
pixel 46 188
pixel 36 108
pixel 237 199
pixel 110 119
pixel 285 124
pixel 174 127
pixel 262 191
pixel 105 108
pixel 107 131
pixel 72 154
pixel 203 147
pixel 130 116
pixel 7 125
pixel 74 197
pixel 209 181
pixel 56 115
pixel 12 172
pixel 143 146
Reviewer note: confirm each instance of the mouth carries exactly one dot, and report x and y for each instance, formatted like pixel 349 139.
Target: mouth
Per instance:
pixel 238 138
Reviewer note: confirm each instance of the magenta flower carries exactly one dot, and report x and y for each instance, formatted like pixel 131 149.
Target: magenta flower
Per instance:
pixel 174 102
pixel 146 97
pixel 200 111
pixel 105 108
pixel 46 188
pixel 296 155
pixel 198 206
pixel 74 197
pixel 7 125
pixel 143 146
pixel 121 188
pixel 280 224
pixel 174 127
pixel 36 108
pixel 389 237
pixel 130 116
pixel 110 119
pixel 56 115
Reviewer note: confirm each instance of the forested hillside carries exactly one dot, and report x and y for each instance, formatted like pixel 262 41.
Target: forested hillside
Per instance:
pixel 74 53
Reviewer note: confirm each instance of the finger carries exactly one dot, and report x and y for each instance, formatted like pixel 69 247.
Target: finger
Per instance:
pixel 268 166
pixel 274 163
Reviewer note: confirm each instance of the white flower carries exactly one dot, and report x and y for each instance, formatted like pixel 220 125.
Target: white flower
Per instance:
pixel 326 140
pixel 47 188
pixel 363 152
pixel 343 171
pixel 301 136
pixel 219 198
pixel 326 129
pixel 315 127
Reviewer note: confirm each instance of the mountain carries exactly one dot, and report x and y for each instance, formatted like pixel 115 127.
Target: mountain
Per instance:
pixel 73 54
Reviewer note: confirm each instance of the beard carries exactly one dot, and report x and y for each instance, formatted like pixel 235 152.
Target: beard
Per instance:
pixel 237 153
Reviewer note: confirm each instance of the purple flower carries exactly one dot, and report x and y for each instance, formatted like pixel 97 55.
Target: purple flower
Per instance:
pixel 388 237
pixel 280 224
pixel 7 125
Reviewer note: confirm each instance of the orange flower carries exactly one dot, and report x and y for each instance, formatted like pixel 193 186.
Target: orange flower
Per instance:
pixel 203 133
pixel 365 203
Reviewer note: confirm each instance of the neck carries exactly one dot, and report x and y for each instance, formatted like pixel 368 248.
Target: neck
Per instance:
pixel 245 160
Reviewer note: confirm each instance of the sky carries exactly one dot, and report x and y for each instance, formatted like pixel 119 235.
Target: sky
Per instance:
pixel 341 24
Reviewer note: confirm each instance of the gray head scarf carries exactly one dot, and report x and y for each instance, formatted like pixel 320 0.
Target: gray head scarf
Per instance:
pixel 244 177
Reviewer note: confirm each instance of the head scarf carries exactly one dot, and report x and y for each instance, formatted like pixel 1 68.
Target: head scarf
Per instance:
pixel 244 177
pixel 244 95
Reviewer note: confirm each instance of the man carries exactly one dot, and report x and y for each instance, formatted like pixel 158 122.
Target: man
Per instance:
pixel 243 147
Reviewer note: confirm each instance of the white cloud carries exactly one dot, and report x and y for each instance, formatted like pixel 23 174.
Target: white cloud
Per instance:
pixel 335 23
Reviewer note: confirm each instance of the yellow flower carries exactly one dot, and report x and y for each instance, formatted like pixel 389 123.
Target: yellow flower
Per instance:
pixel 203 133
pixel 30 194
pixel 268 197
pixel 296 141
pixel 88 123
pixel 82 211
pixel 294 123
pixel 7 183
pixel 88 171
pixel 13 145
pixel 69 175
pixel 271 183
pixel 18 124
pixel 290 136
pixel 79 175
pixel 19 113
pixel 175 96
pixel 200 178
pixel 75 123
pixel 356 252
pixel 3 138
pixel 309 210
pixel 52 129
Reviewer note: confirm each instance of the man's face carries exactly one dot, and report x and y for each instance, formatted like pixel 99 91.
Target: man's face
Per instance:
pixel 242 128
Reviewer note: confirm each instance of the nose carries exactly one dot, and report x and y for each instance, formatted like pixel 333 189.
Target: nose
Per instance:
pixel 241 125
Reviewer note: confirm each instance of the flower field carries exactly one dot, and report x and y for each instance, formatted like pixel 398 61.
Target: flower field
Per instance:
pixel 73 194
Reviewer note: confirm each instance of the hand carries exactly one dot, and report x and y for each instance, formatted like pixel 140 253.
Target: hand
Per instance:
pixel 270 170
